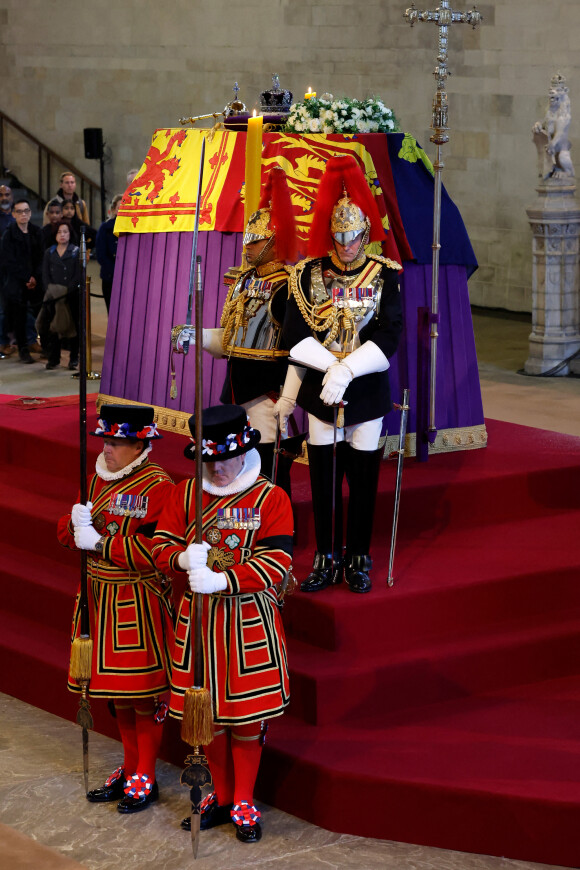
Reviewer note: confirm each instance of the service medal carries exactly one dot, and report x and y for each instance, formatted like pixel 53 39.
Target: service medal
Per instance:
pixel 99 522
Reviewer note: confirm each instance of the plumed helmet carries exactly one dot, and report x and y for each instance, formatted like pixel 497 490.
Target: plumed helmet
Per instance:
pixel 275 216
pixel 344 206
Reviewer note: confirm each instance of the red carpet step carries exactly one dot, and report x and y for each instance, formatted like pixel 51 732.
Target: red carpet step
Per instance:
pixel 441 711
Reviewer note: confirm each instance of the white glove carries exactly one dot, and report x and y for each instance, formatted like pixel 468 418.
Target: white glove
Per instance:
pixel 86 537
pixel 334 383
pixel 212 341
pixel 194 557
pixel 312 353
pixel 206 581
pixel 81 514
pixel 282 410
pixel 287 401
pixel 366 359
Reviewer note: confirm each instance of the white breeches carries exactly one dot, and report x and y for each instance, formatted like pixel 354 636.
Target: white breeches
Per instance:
pixel 361 436
pixel 261 417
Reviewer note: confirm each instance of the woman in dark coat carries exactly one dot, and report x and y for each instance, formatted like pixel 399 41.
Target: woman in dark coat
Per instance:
pixel 61 266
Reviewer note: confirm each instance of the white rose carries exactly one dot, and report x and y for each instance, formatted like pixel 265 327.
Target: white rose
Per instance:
pixel 298 126
pixel 314 125
pixel 390 125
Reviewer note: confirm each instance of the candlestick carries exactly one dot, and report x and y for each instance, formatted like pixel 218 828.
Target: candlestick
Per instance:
pixel 253 165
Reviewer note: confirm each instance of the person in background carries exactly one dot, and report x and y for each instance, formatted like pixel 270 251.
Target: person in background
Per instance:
pixel 6 202
pixel 21 258
pixel 106 249
pixel 61 275
pixel 70 215
pixel 54 212
pixel 67 192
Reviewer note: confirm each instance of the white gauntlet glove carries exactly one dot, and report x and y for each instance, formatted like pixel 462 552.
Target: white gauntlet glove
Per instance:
pixel 212 342
pixel 81 514
pixel 287 401
pixel 86 537
pixel 205 581
pixel 334 383
pixel 194 557
pixel 282 410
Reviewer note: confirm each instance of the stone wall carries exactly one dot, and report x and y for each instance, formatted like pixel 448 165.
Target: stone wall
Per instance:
pixel 130 67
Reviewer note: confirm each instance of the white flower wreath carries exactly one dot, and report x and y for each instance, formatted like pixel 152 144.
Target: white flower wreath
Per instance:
pixel 329 115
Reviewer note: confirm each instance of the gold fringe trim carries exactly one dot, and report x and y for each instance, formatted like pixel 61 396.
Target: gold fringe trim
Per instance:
pixel 197 724
pixel 81 656
pixel 447 440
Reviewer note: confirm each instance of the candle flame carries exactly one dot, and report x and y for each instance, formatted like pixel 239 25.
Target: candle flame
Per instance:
pixel 254 113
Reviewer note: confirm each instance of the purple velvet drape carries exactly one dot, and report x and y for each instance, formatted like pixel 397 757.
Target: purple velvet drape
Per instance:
pixel 150 294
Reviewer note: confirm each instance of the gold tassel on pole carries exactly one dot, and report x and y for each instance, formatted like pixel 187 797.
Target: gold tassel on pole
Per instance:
pixel 197 724
pixel 81 656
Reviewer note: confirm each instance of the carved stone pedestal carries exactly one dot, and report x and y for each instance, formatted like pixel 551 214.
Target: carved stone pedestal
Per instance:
pixel 555 221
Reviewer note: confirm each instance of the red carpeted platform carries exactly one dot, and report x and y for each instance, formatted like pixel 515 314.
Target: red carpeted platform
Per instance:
pixel 444 711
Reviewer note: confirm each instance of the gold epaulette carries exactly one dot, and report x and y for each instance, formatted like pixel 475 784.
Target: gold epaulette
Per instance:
pixel 386 261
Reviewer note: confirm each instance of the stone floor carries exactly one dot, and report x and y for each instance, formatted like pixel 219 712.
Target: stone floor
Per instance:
pixel 42 797
pixel 46 822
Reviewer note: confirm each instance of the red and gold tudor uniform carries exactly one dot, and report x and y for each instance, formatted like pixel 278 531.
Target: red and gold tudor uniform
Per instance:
pixel 130 602
pixel 250 533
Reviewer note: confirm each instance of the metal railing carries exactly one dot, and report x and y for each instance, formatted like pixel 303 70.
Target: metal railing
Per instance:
pixel 44 180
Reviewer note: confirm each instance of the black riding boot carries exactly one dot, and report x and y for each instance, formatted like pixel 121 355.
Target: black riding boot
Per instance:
pixel 362 473
pixel 326 571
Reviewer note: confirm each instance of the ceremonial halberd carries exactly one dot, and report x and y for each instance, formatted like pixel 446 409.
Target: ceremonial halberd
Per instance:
pixel 150 289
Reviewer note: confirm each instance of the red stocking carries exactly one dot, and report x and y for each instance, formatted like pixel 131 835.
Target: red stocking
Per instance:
pixel 246 752
pixel 149 735
pixel 126 724
pixel 219 759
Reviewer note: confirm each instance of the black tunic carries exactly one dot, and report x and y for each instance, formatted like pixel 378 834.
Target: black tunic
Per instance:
pixel 368 396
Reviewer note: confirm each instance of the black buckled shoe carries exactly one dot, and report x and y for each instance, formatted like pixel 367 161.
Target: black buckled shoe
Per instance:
pixel 323 573
pixel 212 814
pixel 357 573
pixel 139 793
pixel 246 819
pixel 112 790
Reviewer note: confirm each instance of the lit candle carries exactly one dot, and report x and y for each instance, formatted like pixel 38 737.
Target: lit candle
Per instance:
pixel 253 165
pixel 310 94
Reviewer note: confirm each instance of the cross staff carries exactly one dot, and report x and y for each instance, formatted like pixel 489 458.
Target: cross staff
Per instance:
pixel 443 16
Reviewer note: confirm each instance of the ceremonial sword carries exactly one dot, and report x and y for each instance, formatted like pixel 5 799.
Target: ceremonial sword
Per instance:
pixel 400 453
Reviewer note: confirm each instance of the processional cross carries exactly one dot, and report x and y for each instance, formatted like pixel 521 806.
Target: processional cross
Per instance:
pixel 443 16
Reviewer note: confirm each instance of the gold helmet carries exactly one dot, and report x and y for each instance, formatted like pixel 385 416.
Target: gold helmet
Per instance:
pixel 347 220
pixel 259 226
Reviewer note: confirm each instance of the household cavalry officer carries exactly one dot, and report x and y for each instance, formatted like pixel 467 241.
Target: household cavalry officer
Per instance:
pixel 343 322
pixel 130 601
pixel 240 571
pixel 250 334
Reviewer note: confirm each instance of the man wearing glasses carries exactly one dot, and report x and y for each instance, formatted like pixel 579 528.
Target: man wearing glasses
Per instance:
pixel 21 256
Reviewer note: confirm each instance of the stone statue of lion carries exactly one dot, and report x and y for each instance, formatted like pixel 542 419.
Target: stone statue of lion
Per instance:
pixel 551 135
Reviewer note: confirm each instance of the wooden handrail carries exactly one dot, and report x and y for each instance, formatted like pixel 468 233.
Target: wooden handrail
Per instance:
pixel 46 158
